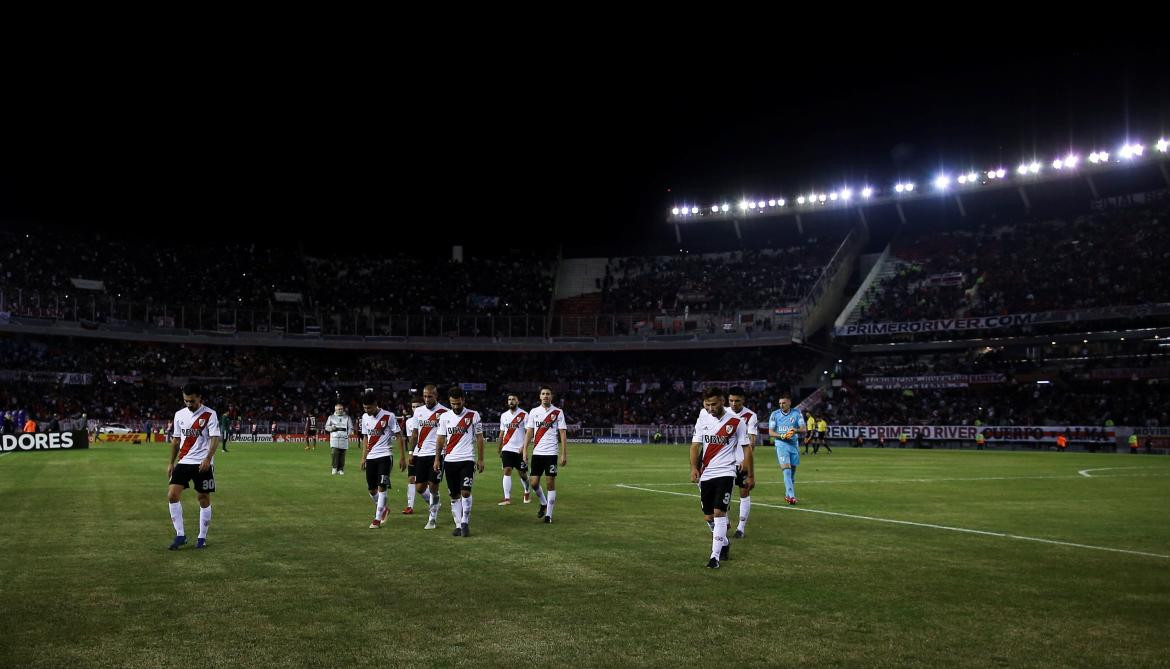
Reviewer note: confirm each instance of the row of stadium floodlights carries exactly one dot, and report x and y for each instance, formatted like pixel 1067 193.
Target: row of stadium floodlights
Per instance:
pixel 1128 152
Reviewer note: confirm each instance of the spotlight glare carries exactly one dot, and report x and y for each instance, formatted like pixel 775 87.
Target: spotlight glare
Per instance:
pixel 674 211
pixel 800 200
pixel 694 210
pixel 866 192
pixel 714 208
pixel 726 207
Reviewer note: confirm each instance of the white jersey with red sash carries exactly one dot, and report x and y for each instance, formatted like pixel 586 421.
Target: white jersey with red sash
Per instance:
pixel 512 427
pixel 427 422
pixel 195 429
pixel 379 429
pixel 722 441
pixel 546 425
pixel 461 430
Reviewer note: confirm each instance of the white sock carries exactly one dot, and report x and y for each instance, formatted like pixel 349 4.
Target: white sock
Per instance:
pixel 381 504
pixel 524 482
pixel 467 509
pixel 719 537
pixel 426 495
pixel 410 493
pixel 745 510
pixel 540 495
pixel 374 497
pixel 177 518
pixel 507 487
pixel 552 500
pixel 457 511
pixel 204 521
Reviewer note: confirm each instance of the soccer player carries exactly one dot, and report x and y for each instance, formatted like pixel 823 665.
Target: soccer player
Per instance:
pixel 783 426
pixel 745 478
pixel 379 427
pixel 196 437
pixel 339 426
pixel 717 448
pixel 511 448
pixel 411 426
pixel 545 428
pixel 310 433
pixel 457 428
pixel 426 479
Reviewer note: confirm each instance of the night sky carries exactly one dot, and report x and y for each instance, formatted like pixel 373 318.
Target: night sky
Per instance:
pixel 502 156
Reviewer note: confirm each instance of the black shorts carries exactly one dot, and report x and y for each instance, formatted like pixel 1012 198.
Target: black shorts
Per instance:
pixel 378 472
pixel 460 476
pixel 741 477
pixel 422 468
pixel 185 474
pixel 513 459
pixel 543 465
pixel 716 494
pixel 311 433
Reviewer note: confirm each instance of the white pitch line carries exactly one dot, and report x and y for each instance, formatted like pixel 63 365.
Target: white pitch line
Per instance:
pixel 908 480
pixel 1085 472
pixel 928 525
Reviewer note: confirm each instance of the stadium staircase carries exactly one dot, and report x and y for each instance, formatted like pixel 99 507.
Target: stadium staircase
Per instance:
pixel 887 266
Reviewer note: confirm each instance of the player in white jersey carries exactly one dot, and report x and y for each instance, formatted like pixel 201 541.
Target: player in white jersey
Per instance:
pixel 196 437
pixel 511 448
pixel 411 444
pixel 426 479
pixel 745 478
pixel 717 449
pixel 339 426
pixel 545 429
pixel 379 427
pixel 461 459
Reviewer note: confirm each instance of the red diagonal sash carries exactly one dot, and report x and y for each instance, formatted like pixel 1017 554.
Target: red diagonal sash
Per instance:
pixel 198 424
pixel 516 422
pixel 464 423
pixel 549 421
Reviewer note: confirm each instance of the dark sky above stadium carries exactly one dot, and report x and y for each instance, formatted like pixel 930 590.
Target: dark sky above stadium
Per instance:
pixel 537 156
